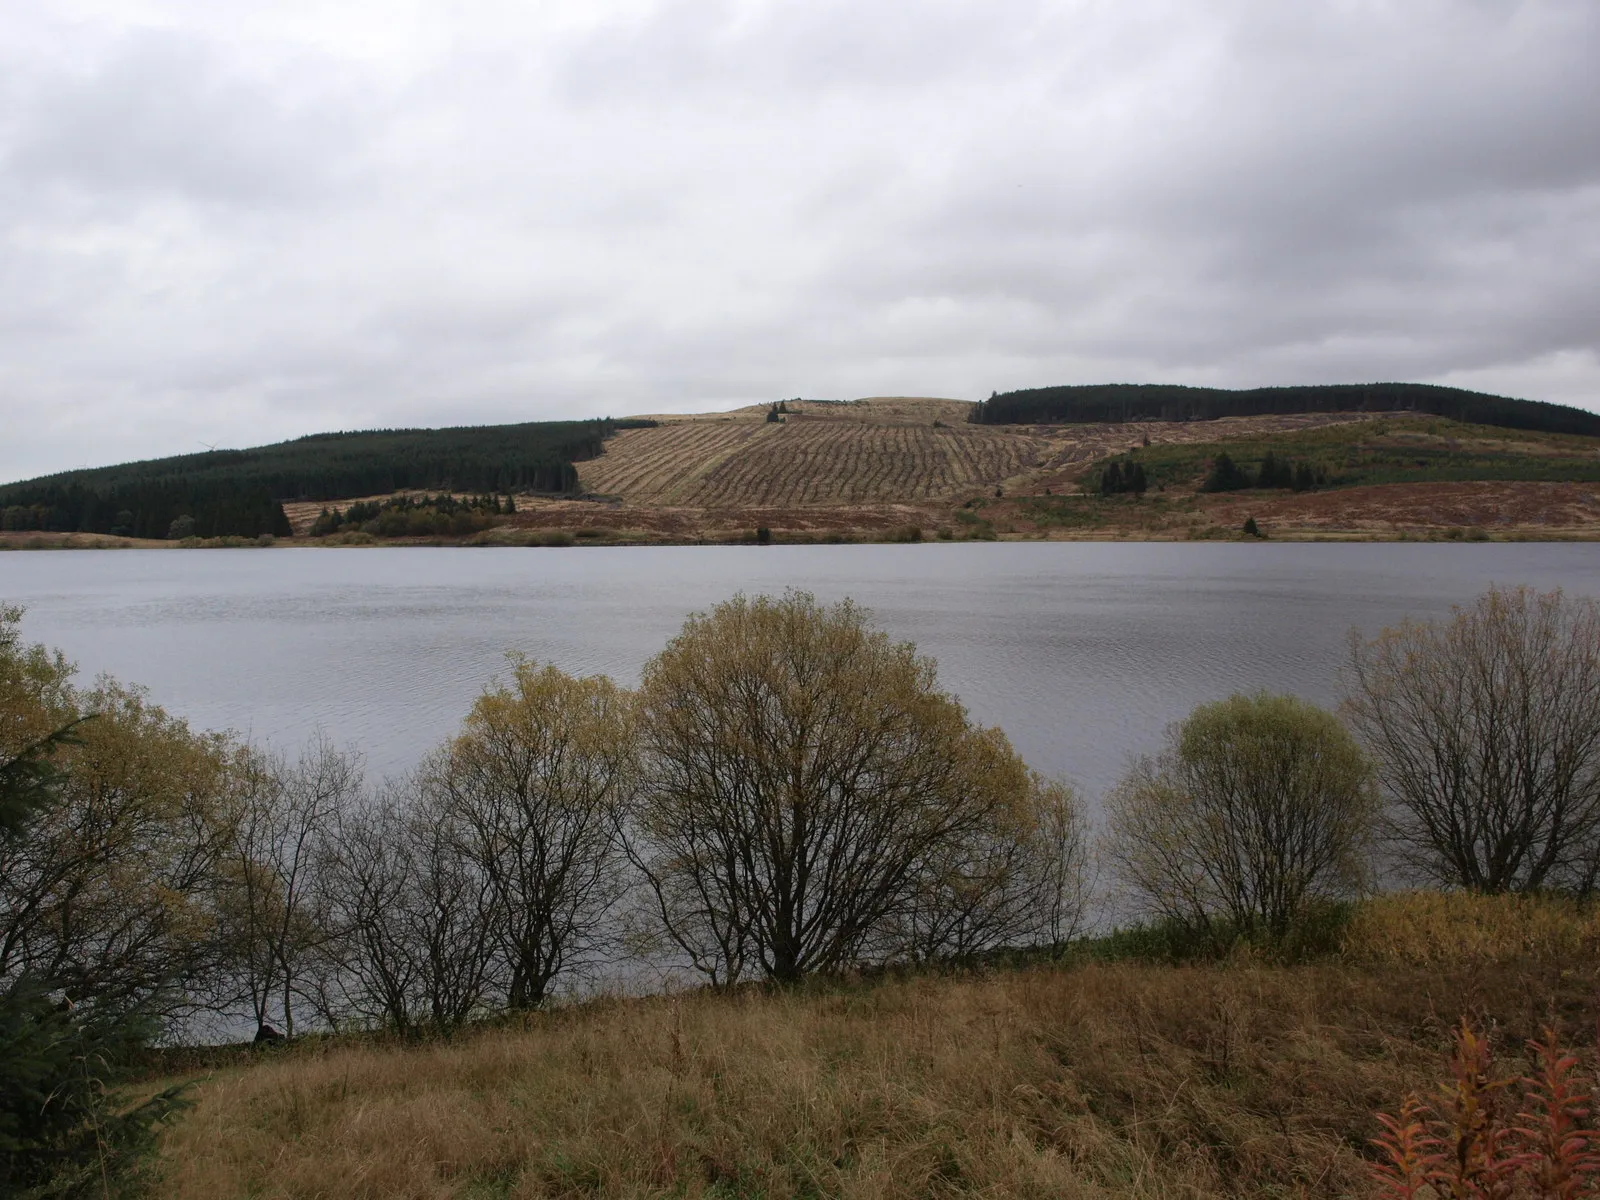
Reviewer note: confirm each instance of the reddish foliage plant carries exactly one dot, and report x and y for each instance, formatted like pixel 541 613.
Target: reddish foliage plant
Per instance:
pixel 1461 1146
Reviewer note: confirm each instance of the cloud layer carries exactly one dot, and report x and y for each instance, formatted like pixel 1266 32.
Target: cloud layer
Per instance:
pixel 232 224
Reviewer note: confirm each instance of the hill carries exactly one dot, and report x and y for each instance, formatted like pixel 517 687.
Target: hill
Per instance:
pixel 240 492
pixel 1170 402
pixel 882 468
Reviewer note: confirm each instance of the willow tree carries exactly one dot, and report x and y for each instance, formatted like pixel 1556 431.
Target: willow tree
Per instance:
pixel 1260 806
pixel 805 787
pixel 112 892
pixel 530 790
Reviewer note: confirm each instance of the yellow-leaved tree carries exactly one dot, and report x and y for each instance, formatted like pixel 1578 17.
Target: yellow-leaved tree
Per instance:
pixel 808 797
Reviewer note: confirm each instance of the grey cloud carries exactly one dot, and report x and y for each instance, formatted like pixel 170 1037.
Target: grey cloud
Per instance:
pixel 164 114
pixel 480 212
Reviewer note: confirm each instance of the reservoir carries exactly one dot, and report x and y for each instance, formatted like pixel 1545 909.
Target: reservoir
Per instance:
pixel 1082 652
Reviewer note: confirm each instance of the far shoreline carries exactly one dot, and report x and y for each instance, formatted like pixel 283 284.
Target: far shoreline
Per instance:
pixel 36 542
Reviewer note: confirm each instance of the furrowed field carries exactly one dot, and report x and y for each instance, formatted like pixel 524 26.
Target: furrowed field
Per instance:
pixel 867 452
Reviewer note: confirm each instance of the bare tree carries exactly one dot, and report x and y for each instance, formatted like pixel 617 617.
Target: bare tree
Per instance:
pixel 414 919
pixel 1021 882
pixel 530 789
pixel 801 777
pixel 283 812
pixel 366 876
pixel 1260 805
pixel 1486 733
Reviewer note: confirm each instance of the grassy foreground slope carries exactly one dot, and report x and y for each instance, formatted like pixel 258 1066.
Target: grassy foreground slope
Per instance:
pixel 1089 1080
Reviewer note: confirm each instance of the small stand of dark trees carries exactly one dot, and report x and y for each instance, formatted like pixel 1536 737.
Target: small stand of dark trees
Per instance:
pixel 415 516
pixel 1121 402
pixel 1122 476
pixel 237 492
pixel 1274 472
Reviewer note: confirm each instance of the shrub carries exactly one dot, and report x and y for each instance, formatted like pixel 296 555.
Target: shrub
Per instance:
pixel 1260 807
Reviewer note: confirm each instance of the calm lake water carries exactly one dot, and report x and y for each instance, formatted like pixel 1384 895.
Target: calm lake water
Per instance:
pixel 1081 653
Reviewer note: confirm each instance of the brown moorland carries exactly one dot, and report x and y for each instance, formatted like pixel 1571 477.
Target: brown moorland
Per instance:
pixel 1091 1081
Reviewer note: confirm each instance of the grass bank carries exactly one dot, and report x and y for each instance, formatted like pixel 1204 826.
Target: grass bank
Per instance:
pixel 1095 1079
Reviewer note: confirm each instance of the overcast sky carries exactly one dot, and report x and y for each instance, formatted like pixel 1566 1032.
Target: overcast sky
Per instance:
pixel 232 223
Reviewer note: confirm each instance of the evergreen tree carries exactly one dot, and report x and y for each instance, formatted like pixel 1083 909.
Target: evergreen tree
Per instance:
pixel 61 1133
pixel 1226 476
pixel 1275 472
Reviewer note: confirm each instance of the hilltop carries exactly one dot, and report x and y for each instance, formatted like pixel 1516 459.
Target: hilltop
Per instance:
pixel 1173 402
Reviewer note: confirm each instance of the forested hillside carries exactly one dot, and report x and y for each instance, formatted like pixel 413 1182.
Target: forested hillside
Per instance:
pixel 240 492
pixel 1123 402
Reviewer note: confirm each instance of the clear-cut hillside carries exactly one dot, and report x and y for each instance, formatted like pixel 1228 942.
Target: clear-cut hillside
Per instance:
pixel 880 451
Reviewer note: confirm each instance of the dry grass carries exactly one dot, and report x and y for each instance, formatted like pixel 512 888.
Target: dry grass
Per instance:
pixel 1427 928
pixel 1097 1081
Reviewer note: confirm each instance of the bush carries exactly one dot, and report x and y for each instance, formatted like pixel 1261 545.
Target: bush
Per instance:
pixel 1318 931
pixel 1259 809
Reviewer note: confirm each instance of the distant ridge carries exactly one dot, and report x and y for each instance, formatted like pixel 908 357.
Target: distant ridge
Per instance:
pixel 1119 402
pixel 239 492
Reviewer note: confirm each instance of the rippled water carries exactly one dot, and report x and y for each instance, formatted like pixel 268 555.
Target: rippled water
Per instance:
pixel 1083 653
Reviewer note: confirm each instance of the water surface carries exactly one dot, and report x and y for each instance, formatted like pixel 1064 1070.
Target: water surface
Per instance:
pixel 1083 653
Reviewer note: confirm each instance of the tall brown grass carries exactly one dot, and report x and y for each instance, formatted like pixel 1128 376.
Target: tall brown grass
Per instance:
pixel 1116 1080
pixel 1465 927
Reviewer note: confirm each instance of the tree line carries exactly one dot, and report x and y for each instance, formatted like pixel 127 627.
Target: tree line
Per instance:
pixel 240 492
pixel 1124 402
pixel 788 792
pixel 1226 475
pixel 415 516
